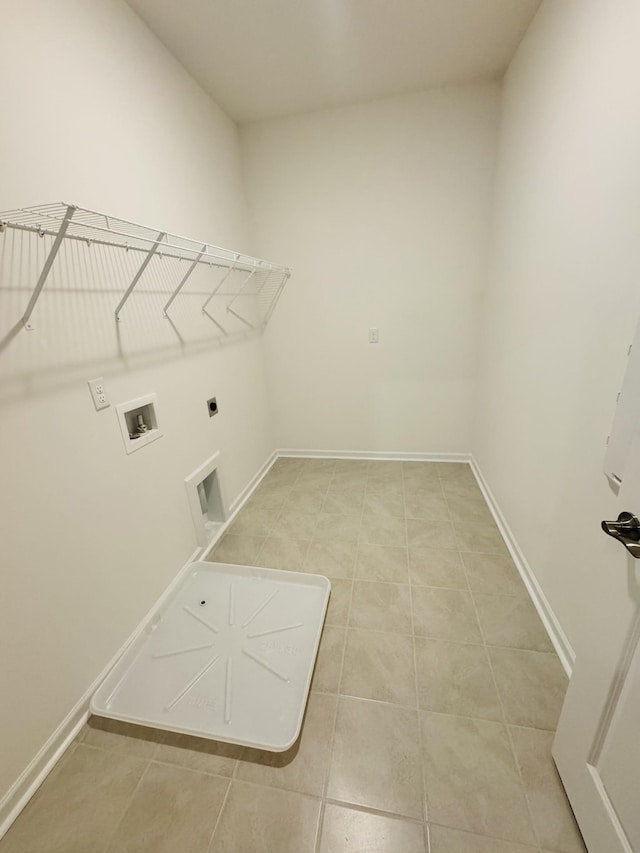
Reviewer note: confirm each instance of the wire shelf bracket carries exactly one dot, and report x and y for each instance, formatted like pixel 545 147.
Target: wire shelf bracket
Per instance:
pixel 71 209
pixel 242 287
pixel 161 236
pixel 183 281
pixel 240 317
pixel 219 285
pixel 215 322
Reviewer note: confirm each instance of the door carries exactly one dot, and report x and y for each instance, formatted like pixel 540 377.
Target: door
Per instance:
pixel 597 744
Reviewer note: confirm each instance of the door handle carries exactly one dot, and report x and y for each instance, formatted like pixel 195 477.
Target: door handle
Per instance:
pixel 626 530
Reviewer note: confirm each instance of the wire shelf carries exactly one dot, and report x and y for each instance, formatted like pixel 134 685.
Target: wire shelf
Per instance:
pixel 70 222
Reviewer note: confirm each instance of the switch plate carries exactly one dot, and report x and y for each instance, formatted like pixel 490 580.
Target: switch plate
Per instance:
pixel 373 335
pixel 98 393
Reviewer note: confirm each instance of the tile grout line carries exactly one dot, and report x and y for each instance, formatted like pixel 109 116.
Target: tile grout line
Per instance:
pixel 499 697
pixel 209 773
pixel 526 848
pixel 424 774
pixel 325 783
pixel 505 722
pixel 318 833
pixel 128 804
pixel 344 647
pixel 394 704
pixel 425 806
pixel 372 810
pixel 425 711
pixel 220 813
pixel 319 824
pixel 278 515
pixel 273 789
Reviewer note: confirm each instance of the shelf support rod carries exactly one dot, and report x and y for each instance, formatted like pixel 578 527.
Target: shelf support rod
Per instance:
pixel 71 209
pixel 235 314
pixel 244 284
pixel 220 283
pixel 184 280
pixel 215 322
pixel 137 276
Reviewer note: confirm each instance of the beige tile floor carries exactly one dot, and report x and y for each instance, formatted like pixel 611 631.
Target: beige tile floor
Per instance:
pixel 433 704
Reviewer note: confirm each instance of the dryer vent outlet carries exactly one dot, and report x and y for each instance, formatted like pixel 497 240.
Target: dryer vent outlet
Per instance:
pixel 212 407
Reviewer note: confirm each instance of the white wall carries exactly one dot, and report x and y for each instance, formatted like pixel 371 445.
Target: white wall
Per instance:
pixel 563 299
pixel 95 111
pixel 382 210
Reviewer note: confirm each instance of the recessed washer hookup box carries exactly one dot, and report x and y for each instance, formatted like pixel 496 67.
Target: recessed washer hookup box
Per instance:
pixel 229 656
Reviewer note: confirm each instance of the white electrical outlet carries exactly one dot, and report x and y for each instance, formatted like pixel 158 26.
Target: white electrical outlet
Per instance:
pixel 98 393
pixel 374 336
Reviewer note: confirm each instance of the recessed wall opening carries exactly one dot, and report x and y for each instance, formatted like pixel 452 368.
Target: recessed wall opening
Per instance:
pixel 206 500
pixel 211 502
pixel 141 420
pixel 138 420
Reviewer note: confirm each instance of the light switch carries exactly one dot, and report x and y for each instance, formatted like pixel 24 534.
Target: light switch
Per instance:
pixel 373 335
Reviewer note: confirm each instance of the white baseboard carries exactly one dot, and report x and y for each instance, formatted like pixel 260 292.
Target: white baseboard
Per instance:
pixel 251 486
pixel 43 763
pixel 45 760
pixel 376 454
pixel 554 629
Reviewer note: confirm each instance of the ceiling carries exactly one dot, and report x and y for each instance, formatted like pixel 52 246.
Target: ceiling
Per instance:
pixel 264 58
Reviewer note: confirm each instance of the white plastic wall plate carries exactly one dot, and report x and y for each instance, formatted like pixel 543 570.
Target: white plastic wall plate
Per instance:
pixel 130 445
pixel 229 656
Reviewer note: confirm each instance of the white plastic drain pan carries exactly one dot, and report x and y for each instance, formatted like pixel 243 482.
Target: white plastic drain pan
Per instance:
pixel 229 656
